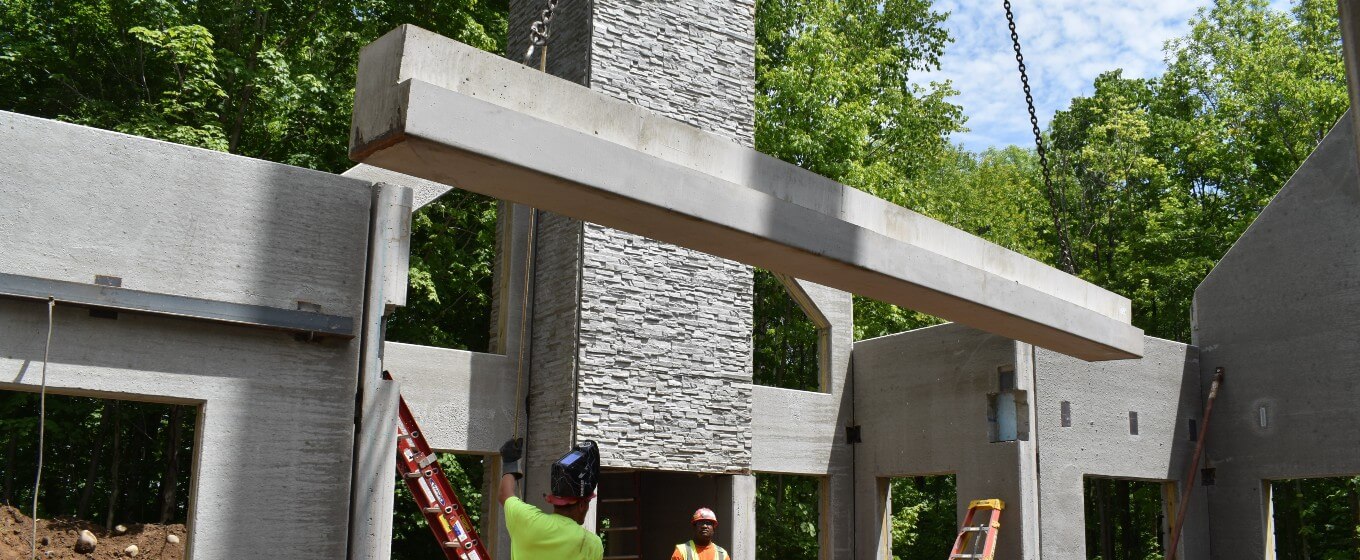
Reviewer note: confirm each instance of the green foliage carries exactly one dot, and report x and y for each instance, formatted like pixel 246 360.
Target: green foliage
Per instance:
pixel 924 517
pixel 411 536
pixel 784 340
pixel 272 79
pixel 104 460
pixel 833 96
pixel 1317 518
pixel 1124 519
pixel 787 516
pixel 453 245
pixel 1159 177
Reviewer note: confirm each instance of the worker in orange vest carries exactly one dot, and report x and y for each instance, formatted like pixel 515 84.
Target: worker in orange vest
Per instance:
pixel 702 547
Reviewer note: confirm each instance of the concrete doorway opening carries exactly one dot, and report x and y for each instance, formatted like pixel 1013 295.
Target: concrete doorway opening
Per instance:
pixel 121 469
pixel 1315 518
pixel 644 514
pixel 411 536
pixel 789 510
pixel 925 516
pixel 1126 519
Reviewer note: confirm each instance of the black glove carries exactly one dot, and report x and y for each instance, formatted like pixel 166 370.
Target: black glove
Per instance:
pixel 510 455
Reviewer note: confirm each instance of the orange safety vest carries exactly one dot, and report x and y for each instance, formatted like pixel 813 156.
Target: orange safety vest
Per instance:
pixel 689 551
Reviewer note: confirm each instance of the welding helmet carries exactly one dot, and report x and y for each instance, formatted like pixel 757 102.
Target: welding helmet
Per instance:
pixel 575 475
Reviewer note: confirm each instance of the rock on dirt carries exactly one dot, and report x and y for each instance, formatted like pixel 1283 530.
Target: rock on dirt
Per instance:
pixel 131 550
pixel 152 541
pixel 86 542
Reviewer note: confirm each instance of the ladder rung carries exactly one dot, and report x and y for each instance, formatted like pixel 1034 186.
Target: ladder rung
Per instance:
pixel 975 528
pixel 617 500
pixel 967 556
pixel 621 529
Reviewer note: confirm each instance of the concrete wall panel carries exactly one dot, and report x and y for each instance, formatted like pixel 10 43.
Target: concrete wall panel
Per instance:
pixel 464 401
pixel 178 220
pixel 1163 388
pixel 1281 314
pixel 921 399
pixel 275 436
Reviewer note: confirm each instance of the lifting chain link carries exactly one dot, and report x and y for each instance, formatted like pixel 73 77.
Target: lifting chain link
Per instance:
pixel 538 33
pixel 1053 202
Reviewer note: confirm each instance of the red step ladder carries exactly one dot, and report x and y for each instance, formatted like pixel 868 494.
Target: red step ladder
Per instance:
pixel 978 539
pixel 418 465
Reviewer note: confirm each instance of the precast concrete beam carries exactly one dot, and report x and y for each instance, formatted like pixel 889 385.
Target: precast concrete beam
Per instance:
pixel 433 108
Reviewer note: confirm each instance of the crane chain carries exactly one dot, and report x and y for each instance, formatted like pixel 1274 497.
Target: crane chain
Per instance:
pixel 1053 201
pixel 538 32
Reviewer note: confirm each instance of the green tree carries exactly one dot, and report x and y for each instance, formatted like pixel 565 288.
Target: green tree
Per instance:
pixel 924 514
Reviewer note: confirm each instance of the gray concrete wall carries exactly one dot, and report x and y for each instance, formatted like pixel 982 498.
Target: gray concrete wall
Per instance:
pixel 1281 314
pixel 921 400
pixel 1163 388
pixel 801 432
pixel 276 434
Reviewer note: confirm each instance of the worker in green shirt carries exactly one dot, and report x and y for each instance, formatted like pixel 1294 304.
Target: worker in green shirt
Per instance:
pixel 535 535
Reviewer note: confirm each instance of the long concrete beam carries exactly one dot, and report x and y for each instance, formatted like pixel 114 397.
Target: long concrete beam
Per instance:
pixel 434 108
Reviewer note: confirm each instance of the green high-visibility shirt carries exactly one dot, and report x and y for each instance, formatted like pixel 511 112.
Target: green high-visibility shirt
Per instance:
pixel 535 535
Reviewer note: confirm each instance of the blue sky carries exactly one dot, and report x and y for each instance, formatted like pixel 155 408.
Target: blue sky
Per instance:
pixel 1066 43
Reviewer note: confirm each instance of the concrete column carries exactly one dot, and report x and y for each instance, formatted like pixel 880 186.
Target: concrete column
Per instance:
pixel 370 531
pixel 737 515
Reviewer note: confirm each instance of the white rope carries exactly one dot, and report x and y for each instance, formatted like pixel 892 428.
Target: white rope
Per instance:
pixel 42 423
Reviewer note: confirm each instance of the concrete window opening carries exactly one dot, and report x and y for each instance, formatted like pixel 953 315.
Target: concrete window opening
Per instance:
pixel 790 337
pixel 1126 519
pixel 925 516
pixel 449 301
pixel 106 462
pixel 411 537
pixel 1316 518
pixel 788 517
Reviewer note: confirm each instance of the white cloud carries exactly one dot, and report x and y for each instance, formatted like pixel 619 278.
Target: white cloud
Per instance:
pixel 1066 44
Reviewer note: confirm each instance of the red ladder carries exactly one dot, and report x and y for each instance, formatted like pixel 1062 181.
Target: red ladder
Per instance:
pixel 444 513
pixel 979 540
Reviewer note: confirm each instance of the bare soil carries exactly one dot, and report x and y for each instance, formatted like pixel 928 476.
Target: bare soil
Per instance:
pixel 16 530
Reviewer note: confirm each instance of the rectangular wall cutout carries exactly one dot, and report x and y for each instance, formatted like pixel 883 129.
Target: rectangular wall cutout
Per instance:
pixel 105 461
pixel 1126 519
pixel 1065 416
pixel 924 516
pixel 1133 423
pixel 1316 517
pixel 788 517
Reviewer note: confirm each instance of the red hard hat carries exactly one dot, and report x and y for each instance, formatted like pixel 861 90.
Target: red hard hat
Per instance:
pixel 703 514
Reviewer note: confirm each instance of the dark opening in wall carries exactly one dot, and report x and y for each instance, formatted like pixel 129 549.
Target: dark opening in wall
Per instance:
pixel 924 516
pixel 788 517
pixel 787 342
pixel 105 461
pixel 411 537
pixel 1316 518
pixel 1125 519
pixel 453 252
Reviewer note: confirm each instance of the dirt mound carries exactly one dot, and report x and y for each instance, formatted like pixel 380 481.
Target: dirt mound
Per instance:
pixel 16 530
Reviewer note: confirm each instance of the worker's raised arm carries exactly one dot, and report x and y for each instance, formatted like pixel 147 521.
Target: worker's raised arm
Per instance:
pixel 510 455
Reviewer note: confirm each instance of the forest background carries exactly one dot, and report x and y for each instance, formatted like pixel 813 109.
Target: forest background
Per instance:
pixel 1152 181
